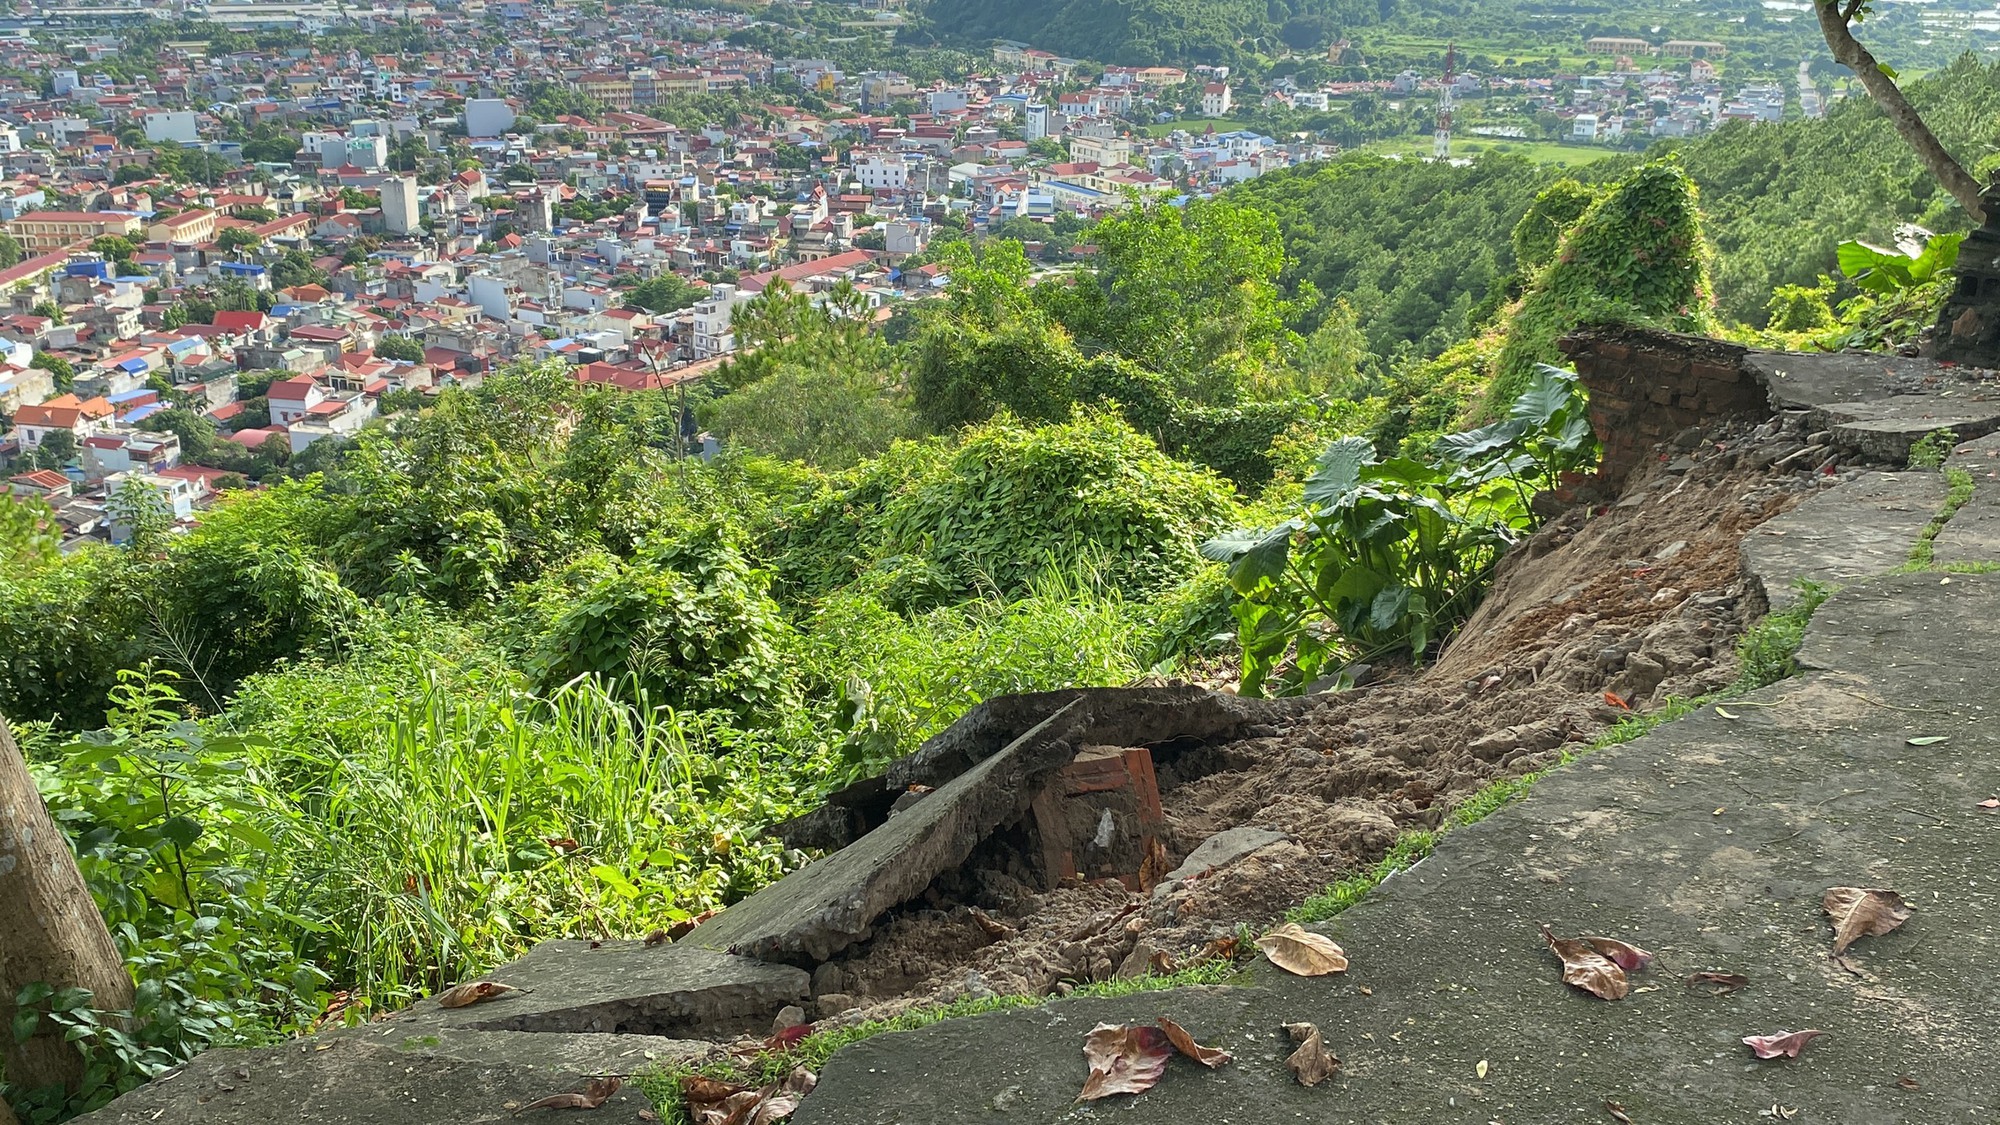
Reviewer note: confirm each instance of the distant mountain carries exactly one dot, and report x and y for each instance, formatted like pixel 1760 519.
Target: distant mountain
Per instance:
pixel 1139 32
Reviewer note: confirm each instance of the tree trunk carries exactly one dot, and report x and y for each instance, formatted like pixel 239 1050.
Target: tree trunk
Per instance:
pixel 50 930
pixel 1847 50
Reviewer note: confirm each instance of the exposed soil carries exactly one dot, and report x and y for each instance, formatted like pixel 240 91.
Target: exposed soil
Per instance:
pixel 1641 599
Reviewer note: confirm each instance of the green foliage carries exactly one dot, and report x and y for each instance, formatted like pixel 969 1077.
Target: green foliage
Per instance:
pixel 1555 210
pixel 401 348
pixel 1637 255
pixel 1765 653
pixel 1911 265
pixel 1394 554
pixel 1801 308
pixel 690 627
pixel 829 417
pixel 1931 450
pixel 28 533
pixel 10 251
pixel 175 851
pixel 665 293
pixel 60 370
pixel 1781 195
pixel 1410 245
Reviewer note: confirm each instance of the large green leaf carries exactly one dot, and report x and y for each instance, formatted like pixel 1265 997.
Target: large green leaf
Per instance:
pixel 1340 469
pixel 1550 391
pixel 1252 555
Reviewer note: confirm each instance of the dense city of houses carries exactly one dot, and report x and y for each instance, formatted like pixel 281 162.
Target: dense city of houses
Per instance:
pixel 289 294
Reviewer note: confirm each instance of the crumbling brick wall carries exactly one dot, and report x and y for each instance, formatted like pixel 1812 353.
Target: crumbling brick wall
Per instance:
pixel 1646 386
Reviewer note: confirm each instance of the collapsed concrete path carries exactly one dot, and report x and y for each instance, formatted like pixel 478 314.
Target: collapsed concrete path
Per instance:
pixel 1709 841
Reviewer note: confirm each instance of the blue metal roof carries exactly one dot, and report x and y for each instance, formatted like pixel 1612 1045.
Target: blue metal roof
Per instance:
pixel 133 365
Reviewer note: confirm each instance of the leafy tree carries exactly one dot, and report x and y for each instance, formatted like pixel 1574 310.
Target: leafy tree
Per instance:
pixel 112 246
pixel 57 449
pixel 1836 21
pixel 666 293
pixel 1555 210
pixel 28 533
pixel 828 417
pixel 143 511
pixel 295 269
pixel 10 251
pixel 175 316
pixel 1191 292
pixel 196 431
pixel 48 310
pixel 238 238
pixel 399 347
pixel 61 372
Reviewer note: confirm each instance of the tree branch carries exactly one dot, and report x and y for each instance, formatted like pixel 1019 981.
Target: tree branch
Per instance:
pixel 1848 51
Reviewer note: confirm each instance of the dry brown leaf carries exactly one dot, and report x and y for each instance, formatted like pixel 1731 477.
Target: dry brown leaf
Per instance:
pixel 1162 963
pixel 593 1094
pixel 1859 913
pixel 1622 954
pixel 1210 1057
pixel 1223 949
pixel 686 926
pixel 1908 1083
pixel 1786 1043
pixel 1586 968
pixel 1297 950
pixel 657 937
pixel 1617 1113
pixel 1124 1059
pixel 472 992
pixel 1723 983
pixel 1990 803
pixel 1312 1063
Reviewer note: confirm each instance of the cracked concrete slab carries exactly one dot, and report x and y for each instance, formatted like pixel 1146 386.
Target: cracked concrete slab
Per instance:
pixel 829 904
pixel 1861 528
pixel 1973 535
pixel 1708 841
pixel 624 987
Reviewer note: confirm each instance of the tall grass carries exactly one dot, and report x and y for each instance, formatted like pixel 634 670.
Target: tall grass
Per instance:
pixel 446 836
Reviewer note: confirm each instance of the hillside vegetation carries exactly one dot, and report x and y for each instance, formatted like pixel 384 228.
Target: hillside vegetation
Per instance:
pixel 508 668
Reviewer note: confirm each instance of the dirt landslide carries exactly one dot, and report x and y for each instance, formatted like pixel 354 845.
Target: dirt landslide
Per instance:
pixel 1636 600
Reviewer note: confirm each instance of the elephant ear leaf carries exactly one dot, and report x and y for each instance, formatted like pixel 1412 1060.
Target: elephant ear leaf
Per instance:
pixel 1253 556
pixel 1340 469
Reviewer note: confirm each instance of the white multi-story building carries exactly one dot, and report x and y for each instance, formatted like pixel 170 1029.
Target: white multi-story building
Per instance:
pixel 399 205
pixel 712 336
pixel 488 117
pixel 882 172
pixel 1035 125
pixel 1215 99
pixel 177 126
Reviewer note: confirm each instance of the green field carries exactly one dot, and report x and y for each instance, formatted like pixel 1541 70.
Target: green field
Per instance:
pixel 1542 152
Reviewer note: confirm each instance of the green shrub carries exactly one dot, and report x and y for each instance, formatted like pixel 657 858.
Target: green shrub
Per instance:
pixel 1637 255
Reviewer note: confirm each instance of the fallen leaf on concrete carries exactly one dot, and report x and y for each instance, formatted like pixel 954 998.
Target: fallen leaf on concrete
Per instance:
pixel 1312 1063
pixel 1722 983
pixel 1927 740
pixel 1908 1083
pixel 591 1096
pixel 1210 1057
pixel 1586 968
pixel 1780 1112
pixel 1299 951
pixel 1859 913
pixel 1624 955
pixel 1725 713
pixel 713 1102
pixel 1786 1043
pixel 1617 1113
pixel 1127 1059
pixel 1617 701
pixel 1162 963
pixel 472 992
pixel 1990 803
pixel 789 1037
pixel 1479 1069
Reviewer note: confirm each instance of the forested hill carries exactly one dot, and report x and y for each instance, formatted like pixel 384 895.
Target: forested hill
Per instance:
pixel 1421 251
pixel 1255 34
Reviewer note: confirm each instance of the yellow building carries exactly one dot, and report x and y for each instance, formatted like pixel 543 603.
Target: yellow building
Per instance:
pixel 42 231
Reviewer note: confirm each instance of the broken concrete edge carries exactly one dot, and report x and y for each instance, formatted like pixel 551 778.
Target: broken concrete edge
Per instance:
pixel 1121 716
pixel 1856 530
pixel 829 904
